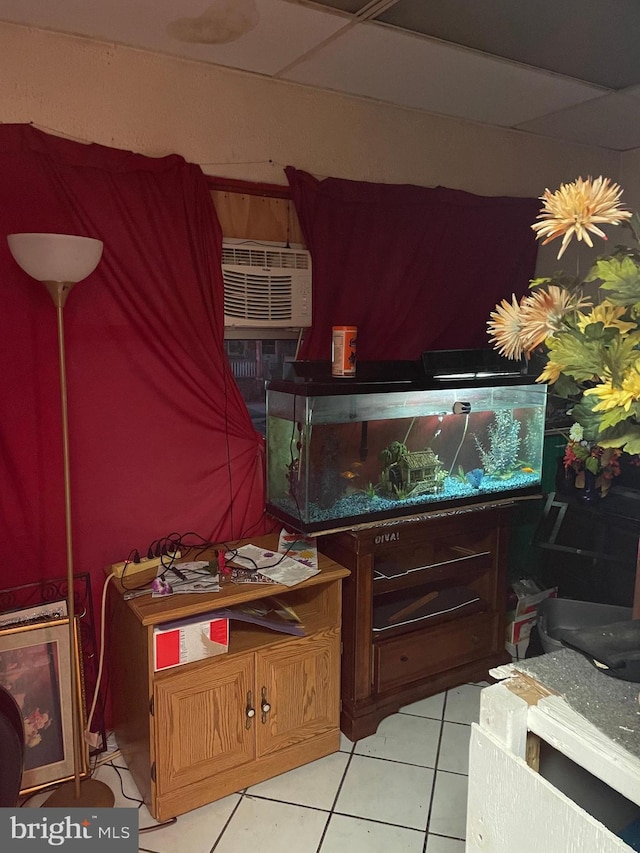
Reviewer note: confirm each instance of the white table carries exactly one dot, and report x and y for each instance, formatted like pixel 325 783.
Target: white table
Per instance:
pixel 525 796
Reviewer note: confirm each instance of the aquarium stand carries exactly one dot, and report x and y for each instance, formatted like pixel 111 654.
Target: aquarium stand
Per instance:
pixel 423 610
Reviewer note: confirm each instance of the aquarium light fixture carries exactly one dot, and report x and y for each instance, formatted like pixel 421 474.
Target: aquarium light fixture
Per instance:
pixel 483 374
pixel 488 374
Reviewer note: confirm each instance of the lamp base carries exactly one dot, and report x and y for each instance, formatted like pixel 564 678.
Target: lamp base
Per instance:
pixel 93 794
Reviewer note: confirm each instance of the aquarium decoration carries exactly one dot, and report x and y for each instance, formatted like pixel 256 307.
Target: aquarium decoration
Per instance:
pixel 475 477
pixel 501 458
pixel 406 473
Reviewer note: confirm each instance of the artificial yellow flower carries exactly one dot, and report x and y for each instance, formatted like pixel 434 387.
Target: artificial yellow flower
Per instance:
pixel 506 327
pixel 576 208
pixel 542 313
pixel 558 321
pixel 609 315
pixel 550 373
pixel 623 396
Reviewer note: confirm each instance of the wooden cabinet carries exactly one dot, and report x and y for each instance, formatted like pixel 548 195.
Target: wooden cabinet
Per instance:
pixel 197 732
pixel 423 609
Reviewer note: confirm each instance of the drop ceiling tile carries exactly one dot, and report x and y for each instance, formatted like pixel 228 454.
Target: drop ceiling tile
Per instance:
pixel 318 44
pixel 377 62
pixel 632 91
pixel 612 121
pixel 592 40
pixel 351 6
pixel 284 30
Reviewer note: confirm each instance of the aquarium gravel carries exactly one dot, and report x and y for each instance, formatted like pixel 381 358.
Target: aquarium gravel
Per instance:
pixel 359 505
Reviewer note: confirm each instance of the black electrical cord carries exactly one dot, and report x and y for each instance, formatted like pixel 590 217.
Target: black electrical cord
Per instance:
pixel 226 370
pixel 253 527
pixel 133 557
pixel 117 769
pixel 180 543
pixel 235 555
pixel 294 465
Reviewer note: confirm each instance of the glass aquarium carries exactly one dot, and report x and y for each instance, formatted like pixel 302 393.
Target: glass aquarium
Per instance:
pixel 342 452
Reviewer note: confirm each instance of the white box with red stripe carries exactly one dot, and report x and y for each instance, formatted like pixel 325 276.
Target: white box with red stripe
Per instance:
pixel 188 640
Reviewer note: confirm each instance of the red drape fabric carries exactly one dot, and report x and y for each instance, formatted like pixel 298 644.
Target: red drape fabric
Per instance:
pixel 160 439
pixel 414 268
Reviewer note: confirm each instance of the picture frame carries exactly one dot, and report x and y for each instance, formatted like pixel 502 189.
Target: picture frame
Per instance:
pixel 35 667
pixel 21 603
pixel 29 615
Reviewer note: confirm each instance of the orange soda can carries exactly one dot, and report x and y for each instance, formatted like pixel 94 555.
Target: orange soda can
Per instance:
pixel 343 350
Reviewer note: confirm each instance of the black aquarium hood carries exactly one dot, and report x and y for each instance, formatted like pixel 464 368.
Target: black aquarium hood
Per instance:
pixel 434 369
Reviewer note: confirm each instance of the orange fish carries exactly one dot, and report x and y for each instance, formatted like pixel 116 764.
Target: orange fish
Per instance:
pixel 527 470
pixel 348 475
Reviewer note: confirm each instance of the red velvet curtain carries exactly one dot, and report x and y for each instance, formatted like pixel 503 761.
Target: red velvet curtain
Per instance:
pixel 160 439
pixel 413 268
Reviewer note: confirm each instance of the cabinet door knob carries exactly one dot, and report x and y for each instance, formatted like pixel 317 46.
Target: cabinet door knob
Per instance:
pixel 249 711
pixel 265 707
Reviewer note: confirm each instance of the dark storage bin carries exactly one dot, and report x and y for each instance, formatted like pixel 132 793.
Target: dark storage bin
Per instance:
pixel 558 617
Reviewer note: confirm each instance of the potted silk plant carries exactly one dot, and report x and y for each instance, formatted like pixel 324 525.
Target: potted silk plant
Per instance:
pixel 590 346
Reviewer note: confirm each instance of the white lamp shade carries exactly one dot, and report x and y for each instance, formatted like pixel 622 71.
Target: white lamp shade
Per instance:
pixel 55 257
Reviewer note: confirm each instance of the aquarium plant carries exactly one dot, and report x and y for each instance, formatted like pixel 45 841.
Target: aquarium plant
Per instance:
pixel 501 457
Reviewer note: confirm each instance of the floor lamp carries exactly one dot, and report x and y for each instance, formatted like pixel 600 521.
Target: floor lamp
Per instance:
pixel 59 261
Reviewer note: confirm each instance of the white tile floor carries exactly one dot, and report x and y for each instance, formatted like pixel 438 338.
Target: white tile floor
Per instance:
pixel 402 790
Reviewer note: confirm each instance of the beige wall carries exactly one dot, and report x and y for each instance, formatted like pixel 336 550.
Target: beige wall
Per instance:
pixel 630 178
pixel 244 126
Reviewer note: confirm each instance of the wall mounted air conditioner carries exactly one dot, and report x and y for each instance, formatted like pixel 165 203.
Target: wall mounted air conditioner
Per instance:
pixel 265 286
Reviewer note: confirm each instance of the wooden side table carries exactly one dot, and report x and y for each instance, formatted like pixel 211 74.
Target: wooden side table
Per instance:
pixel 197 732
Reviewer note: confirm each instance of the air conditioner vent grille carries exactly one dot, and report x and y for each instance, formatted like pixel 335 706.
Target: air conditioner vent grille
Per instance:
pixel 266 258
pixel 253 297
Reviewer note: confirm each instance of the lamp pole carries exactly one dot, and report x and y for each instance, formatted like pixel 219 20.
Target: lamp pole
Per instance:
pixel 59 292
pixel 39 255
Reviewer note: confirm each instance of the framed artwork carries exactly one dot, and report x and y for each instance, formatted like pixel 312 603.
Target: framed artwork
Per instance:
pixel 35 667
pixel 40 613
pixel 47 599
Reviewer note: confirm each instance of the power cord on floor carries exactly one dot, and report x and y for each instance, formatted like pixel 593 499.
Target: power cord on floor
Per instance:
pixel 107 759
pixel 117 769
pixel 139 802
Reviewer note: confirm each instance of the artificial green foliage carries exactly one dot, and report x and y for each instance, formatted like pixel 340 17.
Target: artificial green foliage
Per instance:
pixel 579 356
pixel 591 345
pixel 620 355
pixel 602 357
pixel 619 276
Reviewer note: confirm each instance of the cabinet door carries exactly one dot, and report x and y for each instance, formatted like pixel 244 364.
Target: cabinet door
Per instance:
pixel 201 721
pixel 298 691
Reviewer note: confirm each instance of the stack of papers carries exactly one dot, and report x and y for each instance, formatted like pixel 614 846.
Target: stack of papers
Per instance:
pixel 271 564
pixel 301 548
